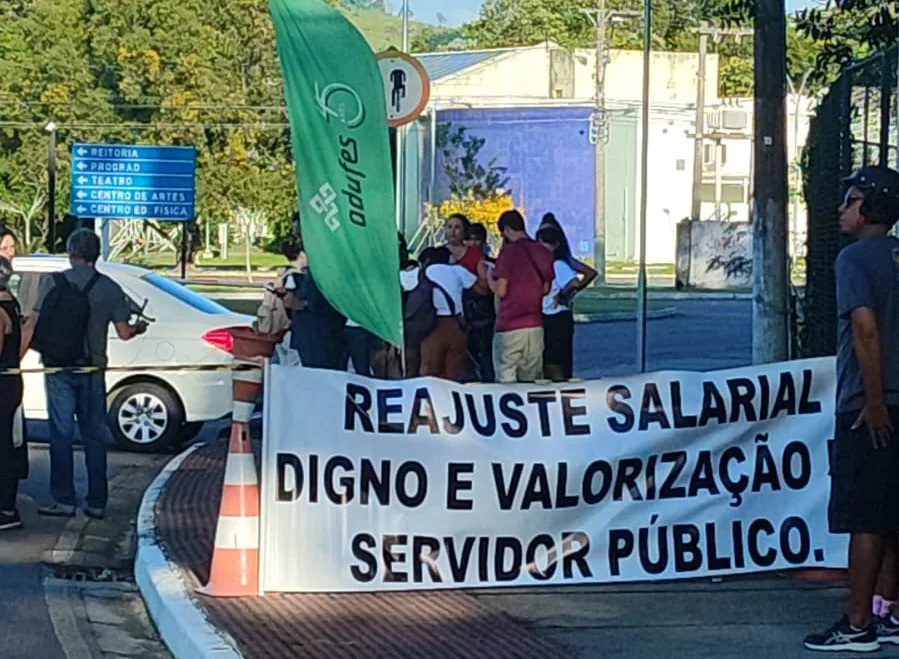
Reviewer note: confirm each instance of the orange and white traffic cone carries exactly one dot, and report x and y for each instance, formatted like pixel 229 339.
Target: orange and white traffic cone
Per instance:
pixel 246 385
pixel 235 556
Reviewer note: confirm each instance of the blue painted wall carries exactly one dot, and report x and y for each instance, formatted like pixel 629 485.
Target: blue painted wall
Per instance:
pixel 549 161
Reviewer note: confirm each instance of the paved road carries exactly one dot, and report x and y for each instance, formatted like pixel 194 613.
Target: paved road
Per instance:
pixel 701 336
pixel 25 625
pixel 26 629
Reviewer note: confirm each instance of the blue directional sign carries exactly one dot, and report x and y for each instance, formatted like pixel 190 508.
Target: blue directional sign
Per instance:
pixel 120 181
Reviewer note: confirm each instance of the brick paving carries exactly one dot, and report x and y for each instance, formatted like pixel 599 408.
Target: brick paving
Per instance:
pixel 414 625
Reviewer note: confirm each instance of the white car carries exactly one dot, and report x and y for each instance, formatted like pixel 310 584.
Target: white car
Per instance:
pixel 149 409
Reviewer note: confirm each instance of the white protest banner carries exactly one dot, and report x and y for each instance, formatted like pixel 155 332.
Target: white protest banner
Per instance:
pixel 383 485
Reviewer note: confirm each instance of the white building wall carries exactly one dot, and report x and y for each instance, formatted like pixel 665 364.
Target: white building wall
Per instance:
pixel 523 78
pixel 523 74
pixel 673 76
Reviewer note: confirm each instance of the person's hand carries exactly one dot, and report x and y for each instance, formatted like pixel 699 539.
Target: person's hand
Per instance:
pixel 877 419
pixel 140 328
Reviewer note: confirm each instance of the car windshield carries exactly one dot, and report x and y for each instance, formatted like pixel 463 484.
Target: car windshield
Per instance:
pixel 185 295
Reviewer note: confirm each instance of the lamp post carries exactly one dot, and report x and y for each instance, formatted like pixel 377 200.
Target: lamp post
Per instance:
pixel 644 189
pixel 50 132
pixel 401 144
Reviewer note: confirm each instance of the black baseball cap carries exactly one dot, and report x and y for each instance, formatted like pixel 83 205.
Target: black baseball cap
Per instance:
pixel 880 186
pixel 881 181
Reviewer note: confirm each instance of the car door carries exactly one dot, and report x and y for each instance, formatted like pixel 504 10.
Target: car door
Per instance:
pixel 121 353
pixel 124 353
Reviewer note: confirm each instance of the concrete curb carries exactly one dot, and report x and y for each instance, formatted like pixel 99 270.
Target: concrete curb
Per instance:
pixel 684 296
pixel 182 625
pixel 658 314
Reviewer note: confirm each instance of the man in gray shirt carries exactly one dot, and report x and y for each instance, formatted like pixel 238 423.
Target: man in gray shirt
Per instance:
pixel 71 395
pixel 864 497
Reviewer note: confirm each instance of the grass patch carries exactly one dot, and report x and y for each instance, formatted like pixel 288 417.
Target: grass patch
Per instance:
pixel 248 307
pixel 595 305
pixel 611 290
pixel 632 267
pixel 207 289
pixel 236 260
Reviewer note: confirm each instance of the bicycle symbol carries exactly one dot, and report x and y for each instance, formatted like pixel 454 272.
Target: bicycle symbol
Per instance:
pixel 341 102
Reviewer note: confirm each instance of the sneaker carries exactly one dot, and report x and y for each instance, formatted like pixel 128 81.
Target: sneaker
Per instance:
pixel 843 638
pixel 57 510
pixel 887 630
pixel 93 513
pixel 10 520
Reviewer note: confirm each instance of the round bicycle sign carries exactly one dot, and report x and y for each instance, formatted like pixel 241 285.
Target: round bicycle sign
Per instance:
pixel 406 87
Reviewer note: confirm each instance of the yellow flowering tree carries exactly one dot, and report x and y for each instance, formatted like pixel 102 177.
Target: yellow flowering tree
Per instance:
pixel 477 190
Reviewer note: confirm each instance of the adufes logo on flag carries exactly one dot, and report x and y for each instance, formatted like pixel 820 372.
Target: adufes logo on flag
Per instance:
pixel 338 120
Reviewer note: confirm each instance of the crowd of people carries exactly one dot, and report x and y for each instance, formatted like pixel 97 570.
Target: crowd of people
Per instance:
pixel 69 327
pixel 469 317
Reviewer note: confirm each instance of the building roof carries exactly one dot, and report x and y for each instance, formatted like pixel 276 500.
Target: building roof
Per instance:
pixel 442 65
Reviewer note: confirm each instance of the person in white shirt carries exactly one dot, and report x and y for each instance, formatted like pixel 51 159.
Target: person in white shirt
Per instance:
pixel 444 351
pixel 558 319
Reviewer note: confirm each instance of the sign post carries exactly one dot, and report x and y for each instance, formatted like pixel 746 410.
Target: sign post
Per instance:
pixel 407 91
pixel 128 182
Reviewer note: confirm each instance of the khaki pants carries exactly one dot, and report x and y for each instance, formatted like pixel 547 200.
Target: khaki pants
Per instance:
pixel 444 352
pixel 518 355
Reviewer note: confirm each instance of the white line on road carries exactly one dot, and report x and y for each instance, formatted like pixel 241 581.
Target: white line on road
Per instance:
pixel 64 619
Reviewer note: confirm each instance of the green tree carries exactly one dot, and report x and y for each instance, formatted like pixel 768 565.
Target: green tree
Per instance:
pixel 507 23
pixel 194 72
pixel 846 32
pixel 435 39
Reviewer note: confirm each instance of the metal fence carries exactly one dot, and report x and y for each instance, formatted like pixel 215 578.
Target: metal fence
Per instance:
pixel 854 125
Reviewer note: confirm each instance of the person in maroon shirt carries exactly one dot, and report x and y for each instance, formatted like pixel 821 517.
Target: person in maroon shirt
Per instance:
pixel 521 277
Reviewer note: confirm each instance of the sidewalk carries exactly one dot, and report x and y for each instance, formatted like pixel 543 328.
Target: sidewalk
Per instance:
pixel 95 607
pixel 764 616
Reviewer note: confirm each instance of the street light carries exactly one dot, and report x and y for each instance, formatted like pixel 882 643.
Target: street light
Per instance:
pixel 644 196
pixel 50 131
pixel 400 192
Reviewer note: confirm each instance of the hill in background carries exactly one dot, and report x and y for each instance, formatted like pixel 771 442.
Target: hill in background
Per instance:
pixel 382 30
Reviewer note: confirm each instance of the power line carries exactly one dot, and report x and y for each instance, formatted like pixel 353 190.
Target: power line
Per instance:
pixel 144 126
pixel 146 106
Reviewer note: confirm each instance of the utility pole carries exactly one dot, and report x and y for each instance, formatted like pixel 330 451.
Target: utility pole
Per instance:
pixel 770 279
pixel 601 137
pixel 696 208
pixel 705 31
pixel 400 193
pixel 599 129
pixel 644 188
pixel 50 131
pixel 796 156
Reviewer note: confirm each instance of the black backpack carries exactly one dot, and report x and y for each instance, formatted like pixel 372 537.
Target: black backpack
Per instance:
pixel 419 314
pixel 61 333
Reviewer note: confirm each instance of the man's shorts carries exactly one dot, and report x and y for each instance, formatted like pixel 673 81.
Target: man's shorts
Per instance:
pixel 864 481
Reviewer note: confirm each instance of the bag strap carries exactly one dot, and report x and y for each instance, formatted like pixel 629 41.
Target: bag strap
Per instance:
pixel 90 284
pixel 60 280
pixel 449 299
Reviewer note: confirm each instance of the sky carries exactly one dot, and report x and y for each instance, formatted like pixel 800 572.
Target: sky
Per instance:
pixel 457 12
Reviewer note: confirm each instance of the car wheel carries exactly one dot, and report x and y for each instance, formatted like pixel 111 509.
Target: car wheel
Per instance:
pixel 144 417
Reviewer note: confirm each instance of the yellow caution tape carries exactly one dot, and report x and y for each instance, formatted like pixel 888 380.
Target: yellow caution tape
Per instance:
pixel 87 370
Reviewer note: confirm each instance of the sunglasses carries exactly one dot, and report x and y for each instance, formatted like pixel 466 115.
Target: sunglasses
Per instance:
pixel 851 199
